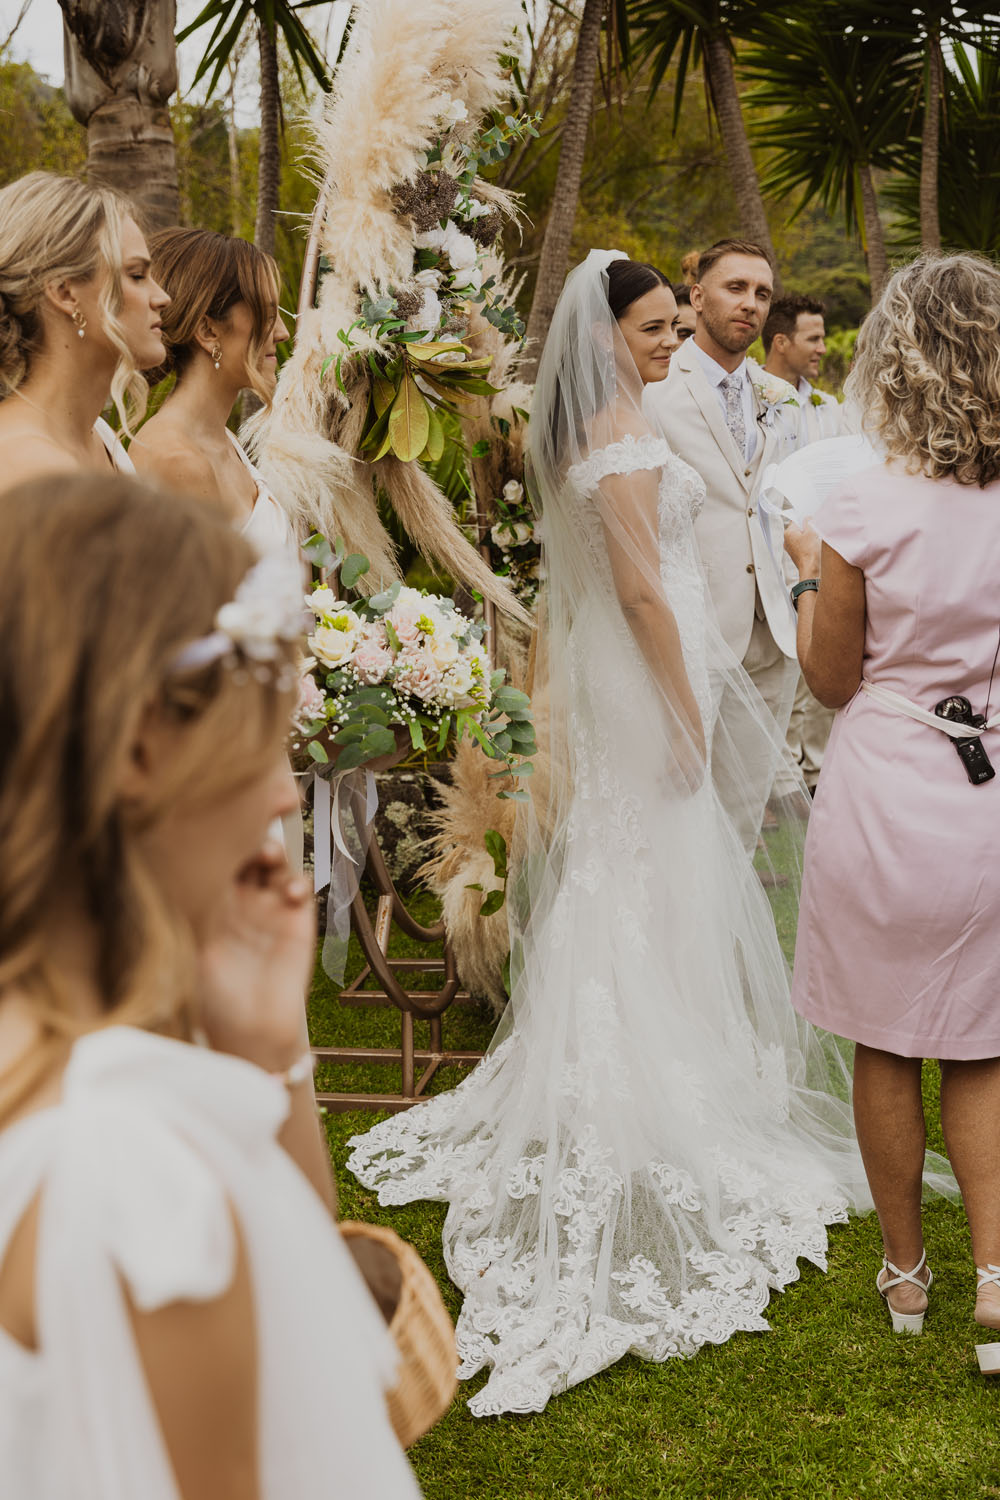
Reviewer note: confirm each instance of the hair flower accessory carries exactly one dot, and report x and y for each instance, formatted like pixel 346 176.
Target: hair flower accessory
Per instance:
pixel 265 613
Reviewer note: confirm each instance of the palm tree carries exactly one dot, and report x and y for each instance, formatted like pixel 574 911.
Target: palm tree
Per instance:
pixel 121 69
pixel 970 156
pixel 562 212
pixel 271 19
pixel 706 31
pixel 838 106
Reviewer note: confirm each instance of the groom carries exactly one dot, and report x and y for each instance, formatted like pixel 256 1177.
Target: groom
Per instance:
pixel 717 420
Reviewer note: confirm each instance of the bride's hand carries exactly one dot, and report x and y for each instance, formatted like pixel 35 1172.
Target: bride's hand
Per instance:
pixel 256 965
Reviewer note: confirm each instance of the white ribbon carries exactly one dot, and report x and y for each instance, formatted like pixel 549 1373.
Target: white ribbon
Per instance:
pixel 900 705
pixel 344 807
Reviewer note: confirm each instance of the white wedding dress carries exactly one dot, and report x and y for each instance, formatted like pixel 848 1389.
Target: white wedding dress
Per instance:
pixel 655 1139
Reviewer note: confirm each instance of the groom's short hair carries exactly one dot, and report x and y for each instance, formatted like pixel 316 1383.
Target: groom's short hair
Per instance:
pixel 711 257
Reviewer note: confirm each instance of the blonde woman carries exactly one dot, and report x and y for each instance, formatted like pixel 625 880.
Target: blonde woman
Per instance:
pixel 79 319
pixel 179 1318
pixel 899 936
pixel 221 331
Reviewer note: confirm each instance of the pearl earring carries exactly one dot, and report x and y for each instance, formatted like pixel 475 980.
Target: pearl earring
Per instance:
pixel 216 355
pixel 80 322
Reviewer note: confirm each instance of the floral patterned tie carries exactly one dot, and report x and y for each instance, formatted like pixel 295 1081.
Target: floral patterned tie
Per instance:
pixel 733 387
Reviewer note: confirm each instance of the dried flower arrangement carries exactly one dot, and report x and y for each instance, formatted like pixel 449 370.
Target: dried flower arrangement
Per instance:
pixel 405 230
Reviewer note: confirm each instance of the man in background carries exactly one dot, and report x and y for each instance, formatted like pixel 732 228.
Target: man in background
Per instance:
pixel 794 340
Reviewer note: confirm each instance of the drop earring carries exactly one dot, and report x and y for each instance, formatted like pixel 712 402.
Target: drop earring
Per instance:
pixel 216 355
pixel 80 322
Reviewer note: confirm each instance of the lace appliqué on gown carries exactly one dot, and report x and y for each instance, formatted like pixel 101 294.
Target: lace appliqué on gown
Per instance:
pixel 628 1170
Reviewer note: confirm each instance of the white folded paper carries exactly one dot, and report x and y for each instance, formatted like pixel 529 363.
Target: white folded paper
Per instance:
pixel 797 486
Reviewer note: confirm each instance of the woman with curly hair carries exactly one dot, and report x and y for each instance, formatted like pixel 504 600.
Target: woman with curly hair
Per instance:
pixel 899 630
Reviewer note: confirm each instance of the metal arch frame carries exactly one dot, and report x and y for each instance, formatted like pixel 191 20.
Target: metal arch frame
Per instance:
pixel 428 1005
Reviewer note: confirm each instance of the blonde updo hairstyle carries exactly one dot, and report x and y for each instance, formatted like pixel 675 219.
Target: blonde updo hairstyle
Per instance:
pixel 206 274
pixel 926 371
pixel 106 580
pixel 55 229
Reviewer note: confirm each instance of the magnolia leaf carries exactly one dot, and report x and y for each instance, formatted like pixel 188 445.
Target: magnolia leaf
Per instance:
pixel 496 848
pixel 409 421
pixel 383 392
pixel 440 346
pixel 376 434
pixel 435 438
pixel 354 567
pixel 494 901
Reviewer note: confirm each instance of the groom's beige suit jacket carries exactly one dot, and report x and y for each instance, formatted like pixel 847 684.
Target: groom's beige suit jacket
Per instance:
pixel 739 566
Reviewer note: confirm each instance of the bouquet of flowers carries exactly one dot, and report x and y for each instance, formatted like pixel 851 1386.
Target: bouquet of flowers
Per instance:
pixel 404 661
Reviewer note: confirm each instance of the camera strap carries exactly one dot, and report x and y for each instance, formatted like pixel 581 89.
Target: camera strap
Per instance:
pixel 900 705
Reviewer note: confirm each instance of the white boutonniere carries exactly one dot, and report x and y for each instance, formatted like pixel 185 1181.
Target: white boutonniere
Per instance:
pixel 772 391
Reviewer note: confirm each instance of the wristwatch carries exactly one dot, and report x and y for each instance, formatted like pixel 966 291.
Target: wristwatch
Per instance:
pixel 803 586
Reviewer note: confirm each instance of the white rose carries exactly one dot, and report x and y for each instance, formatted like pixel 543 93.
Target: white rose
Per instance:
pixel 461 249
pixel 322 601
pixel 455 112
pixel 513 492
pixel 443 649
pixel 468 281
pixel 331 646
pixel 429 278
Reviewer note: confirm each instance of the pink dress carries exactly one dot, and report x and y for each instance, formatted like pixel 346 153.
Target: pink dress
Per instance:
pixel 899 930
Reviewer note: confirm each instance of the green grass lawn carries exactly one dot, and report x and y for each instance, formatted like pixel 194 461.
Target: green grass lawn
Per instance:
pixel 830 1405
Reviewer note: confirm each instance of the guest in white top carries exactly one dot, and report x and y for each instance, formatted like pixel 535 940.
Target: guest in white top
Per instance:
pixel 179 1317
pixel 79 320
pixel 221 331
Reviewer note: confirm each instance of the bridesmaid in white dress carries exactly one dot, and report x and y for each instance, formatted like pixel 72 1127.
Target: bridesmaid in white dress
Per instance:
pixel 221 332
pixel 79 320
pixel 179 1318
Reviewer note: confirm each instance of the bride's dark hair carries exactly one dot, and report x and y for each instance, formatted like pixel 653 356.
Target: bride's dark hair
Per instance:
pixel 628 280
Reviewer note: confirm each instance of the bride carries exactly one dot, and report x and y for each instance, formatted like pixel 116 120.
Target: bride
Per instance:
pixel 654 1138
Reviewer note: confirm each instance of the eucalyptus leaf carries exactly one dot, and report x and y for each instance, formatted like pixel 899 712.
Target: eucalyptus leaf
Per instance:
pixel 317 752
pixel 318 550
pixel 354 567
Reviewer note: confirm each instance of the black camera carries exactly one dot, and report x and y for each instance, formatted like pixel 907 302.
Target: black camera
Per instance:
pixel 970 752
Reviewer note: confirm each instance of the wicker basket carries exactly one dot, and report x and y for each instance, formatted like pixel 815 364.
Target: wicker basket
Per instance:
pixel 425 1338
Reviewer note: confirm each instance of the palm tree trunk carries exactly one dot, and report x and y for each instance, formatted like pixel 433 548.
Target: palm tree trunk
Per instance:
pixel 121 69
pixel 562 214
pixel 235 204
pixel 269 165
pixel 720 75
pixel 875 252
pixel 930 221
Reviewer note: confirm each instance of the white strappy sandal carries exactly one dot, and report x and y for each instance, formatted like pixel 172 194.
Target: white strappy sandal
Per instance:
pixel 988 1354
pixel 905 1322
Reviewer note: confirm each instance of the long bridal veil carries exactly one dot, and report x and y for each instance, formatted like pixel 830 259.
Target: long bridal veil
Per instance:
pixel 654 1137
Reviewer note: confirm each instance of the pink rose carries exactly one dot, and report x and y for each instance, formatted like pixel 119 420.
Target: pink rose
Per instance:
pixel 404 622
pixel 418 675
pixel 372 661
pixel 311 701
